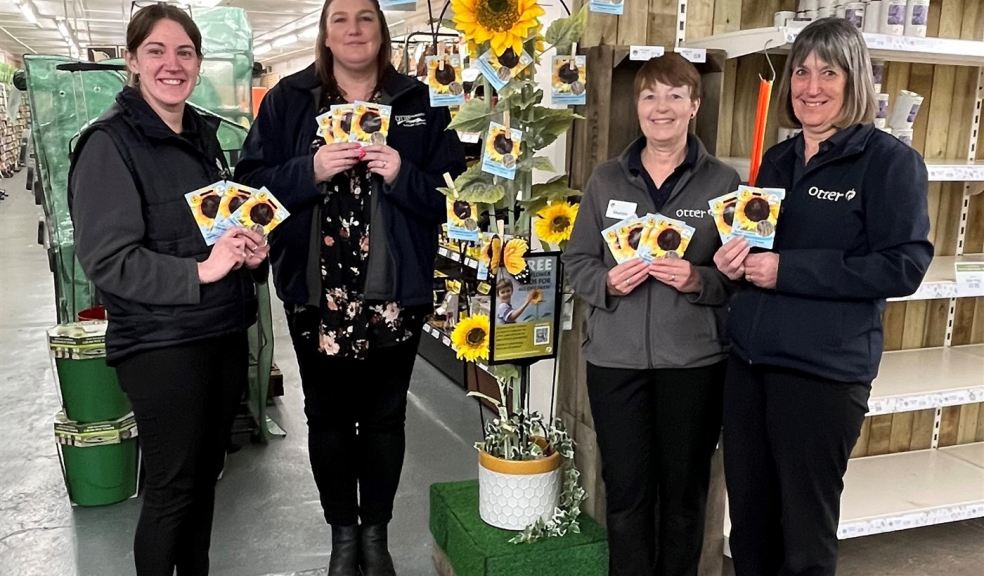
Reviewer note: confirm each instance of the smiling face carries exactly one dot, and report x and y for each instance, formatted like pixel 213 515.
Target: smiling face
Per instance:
pixel 817 92
pixel 353 33
pixel 665 112
pixel 505 293
pixel 167 65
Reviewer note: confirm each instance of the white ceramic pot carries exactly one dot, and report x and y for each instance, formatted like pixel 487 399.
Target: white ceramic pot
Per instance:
pixel 513 494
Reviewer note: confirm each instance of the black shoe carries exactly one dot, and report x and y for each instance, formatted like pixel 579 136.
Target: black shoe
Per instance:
pixel 344 551
pixel 375 556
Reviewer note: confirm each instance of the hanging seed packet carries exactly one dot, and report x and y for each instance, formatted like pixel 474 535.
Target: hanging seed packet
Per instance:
pixel 663 237
pixel 500 70
pixel 723 212
pixel 324 127
pixel 462 220
pixel 501 151
pixel 756 215
pixel 341 122
pixel 370 123
pixel 567 80
pixel 262 212
pixel 204 204
pixel 607 6
pixel 444 80
pixel 622 238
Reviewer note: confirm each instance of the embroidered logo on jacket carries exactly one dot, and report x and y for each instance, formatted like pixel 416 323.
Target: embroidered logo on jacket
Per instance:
pixel 831 195
pixel 687 213
pixel 410 120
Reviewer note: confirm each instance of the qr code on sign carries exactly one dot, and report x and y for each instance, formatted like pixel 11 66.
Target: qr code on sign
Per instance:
pixel 541 335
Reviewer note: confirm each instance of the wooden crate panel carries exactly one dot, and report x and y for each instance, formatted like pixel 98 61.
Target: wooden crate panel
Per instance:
pixel 961 424
pixel 968 323
pixel 914 324
pixel 892 433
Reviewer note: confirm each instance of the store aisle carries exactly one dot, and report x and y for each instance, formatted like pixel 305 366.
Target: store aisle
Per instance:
pixel 268 518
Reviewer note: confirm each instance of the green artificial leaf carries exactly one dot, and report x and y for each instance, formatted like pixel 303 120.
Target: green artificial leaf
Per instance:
pixel 505 372
pixel 565 31
pixel 513 96
pixel 555 190
pixel 548 124
pixel 473 185
pixel 473 116
pixel 537 163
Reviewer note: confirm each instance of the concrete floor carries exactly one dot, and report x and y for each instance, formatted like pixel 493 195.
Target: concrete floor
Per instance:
pixel 268 518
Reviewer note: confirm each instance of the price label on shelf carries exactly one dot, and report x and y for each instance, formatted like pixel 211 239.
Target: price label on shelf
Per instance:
pixel 695 55
pixel 645 53
pixel 970 279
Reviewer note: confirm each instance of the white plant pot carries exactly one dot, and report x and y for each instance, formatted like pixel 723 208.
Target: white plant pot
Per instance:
pixel 513 494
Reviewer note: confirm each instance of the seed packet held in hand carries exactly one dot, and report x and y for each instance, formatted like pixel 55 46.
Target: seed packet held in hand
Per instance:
pixel 262 212
pixel 233 196
pixel 664 237
pixel 341 122
pixel 757 214
pixel 723 212
pixel 370 123
pixel 325 128
pixel 204 204
pixel 623 238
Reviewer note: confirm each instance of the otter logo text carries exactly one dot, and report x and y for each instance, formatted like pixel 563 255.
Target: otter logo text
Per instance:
pixel 830 195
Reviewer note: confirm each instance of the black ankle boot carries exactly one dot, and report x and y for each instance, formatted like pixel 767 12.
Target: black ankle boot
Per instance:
pixel 344 551
pixel 376 559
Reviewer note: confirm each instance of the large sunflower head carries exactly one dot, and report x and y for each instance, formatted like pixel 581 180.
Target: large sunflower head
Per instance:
pixel 504 23
pixel 555 222
pixel 470 338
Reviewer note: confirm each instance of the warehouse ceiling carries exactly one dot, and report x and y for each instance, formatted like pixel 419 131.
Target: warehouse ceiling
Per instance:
pixel 282 27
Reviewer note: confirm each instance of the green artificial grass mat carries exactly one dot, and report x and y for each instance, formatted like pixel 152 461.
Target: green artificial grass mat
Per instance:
pixel 476 549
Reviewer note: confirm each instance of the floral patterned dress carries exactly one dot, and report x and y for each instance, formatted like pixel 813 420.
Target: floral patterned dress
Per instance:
pixel 350 324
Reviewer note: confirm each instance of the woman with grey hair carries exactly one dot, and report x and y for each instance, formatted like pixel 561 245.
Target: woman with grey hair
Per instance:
pixel 805 325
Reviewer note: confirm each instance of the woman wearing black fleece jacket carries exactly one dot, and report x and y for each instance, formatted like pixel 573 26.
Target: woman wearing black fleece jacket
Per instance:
pixel 806 325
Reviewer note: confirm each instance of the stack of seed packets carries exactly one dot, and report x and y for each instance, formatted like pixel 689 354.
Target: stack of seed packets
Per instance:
pixel 362 122
pixel 224 205
pixel 750 213
pixel 649 237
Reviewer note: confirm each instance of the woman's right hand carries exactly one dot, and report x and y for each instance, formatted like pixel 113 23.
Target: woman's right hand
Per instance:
pixel 625 277
pixel 335 158
pixel 228 254
pixel 730 258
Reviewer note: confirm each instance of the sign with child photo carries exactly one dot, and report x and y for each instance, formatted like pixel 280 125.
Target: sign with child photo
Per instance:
pixel 526 311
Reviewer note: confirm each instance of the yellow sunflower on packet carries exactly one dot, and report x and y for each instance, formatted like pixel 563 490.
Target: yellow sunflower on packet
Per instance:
pixel 503 23
pixel 554 223
pixel 470 338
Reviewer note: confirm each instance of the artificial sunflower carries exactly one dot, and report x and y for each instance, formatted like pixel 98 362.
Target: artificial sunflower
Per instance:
pixel 536 296
pixel 504 23
pixel 470 338
pixel 555 222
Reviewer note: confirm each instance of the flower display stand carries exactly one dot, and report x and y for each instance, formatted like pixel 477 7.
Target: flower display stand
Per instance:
pixel 464 545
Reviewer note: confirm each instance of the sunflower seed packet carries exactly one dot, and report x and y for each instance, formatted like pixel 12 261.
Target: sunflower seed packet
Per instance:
pixel 341 122
pixel 204 204
pixel 462 220
pixel 501 151
pixel 663 237
pixel 370 123
pixel 622 238
pixel 262 212
pixel 567 80
pixel 756 215
pixel 723 212
pixel 616 7
pixel 444 80
pixel 500 70
pixel 324 127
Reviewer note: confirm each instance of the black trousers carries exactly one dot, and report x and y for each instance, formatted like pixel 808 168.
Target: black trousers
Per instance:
pixel 356 412
pixel 657 430
pixel 787 438
pixel 184 400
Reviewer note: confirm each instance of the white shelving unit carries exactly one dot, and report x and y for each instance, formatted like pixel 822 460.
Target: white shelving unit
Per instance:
pixel 881 46
pixel 939 170
pixel 918 488
pixel 928 378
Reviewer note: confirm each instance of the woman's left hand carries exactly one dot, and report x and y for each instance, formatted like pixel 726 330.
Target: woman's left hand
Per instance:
pixel 677 273
pixel 762 269
pixel 256 249
pixel 383 160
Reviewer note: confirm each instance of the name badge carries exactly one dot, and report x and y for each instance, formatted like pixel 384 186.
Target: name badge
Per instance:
pixel 620 210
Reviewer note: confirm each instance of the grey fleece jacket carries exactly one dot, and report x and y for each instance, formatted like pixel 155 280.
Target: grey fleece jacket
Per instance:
pixel 655 326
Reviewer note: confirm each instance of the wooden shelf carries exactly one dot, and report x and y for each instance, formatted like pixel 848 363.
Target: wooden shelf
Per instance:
pixel 939 170
pixel 881 46
pixel 928 378
pixel 940 280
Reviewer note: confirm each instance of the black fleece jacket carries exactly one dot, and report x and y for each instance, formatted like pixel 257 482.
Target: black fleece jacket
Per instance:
pixel 278 155
pixel 852 232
